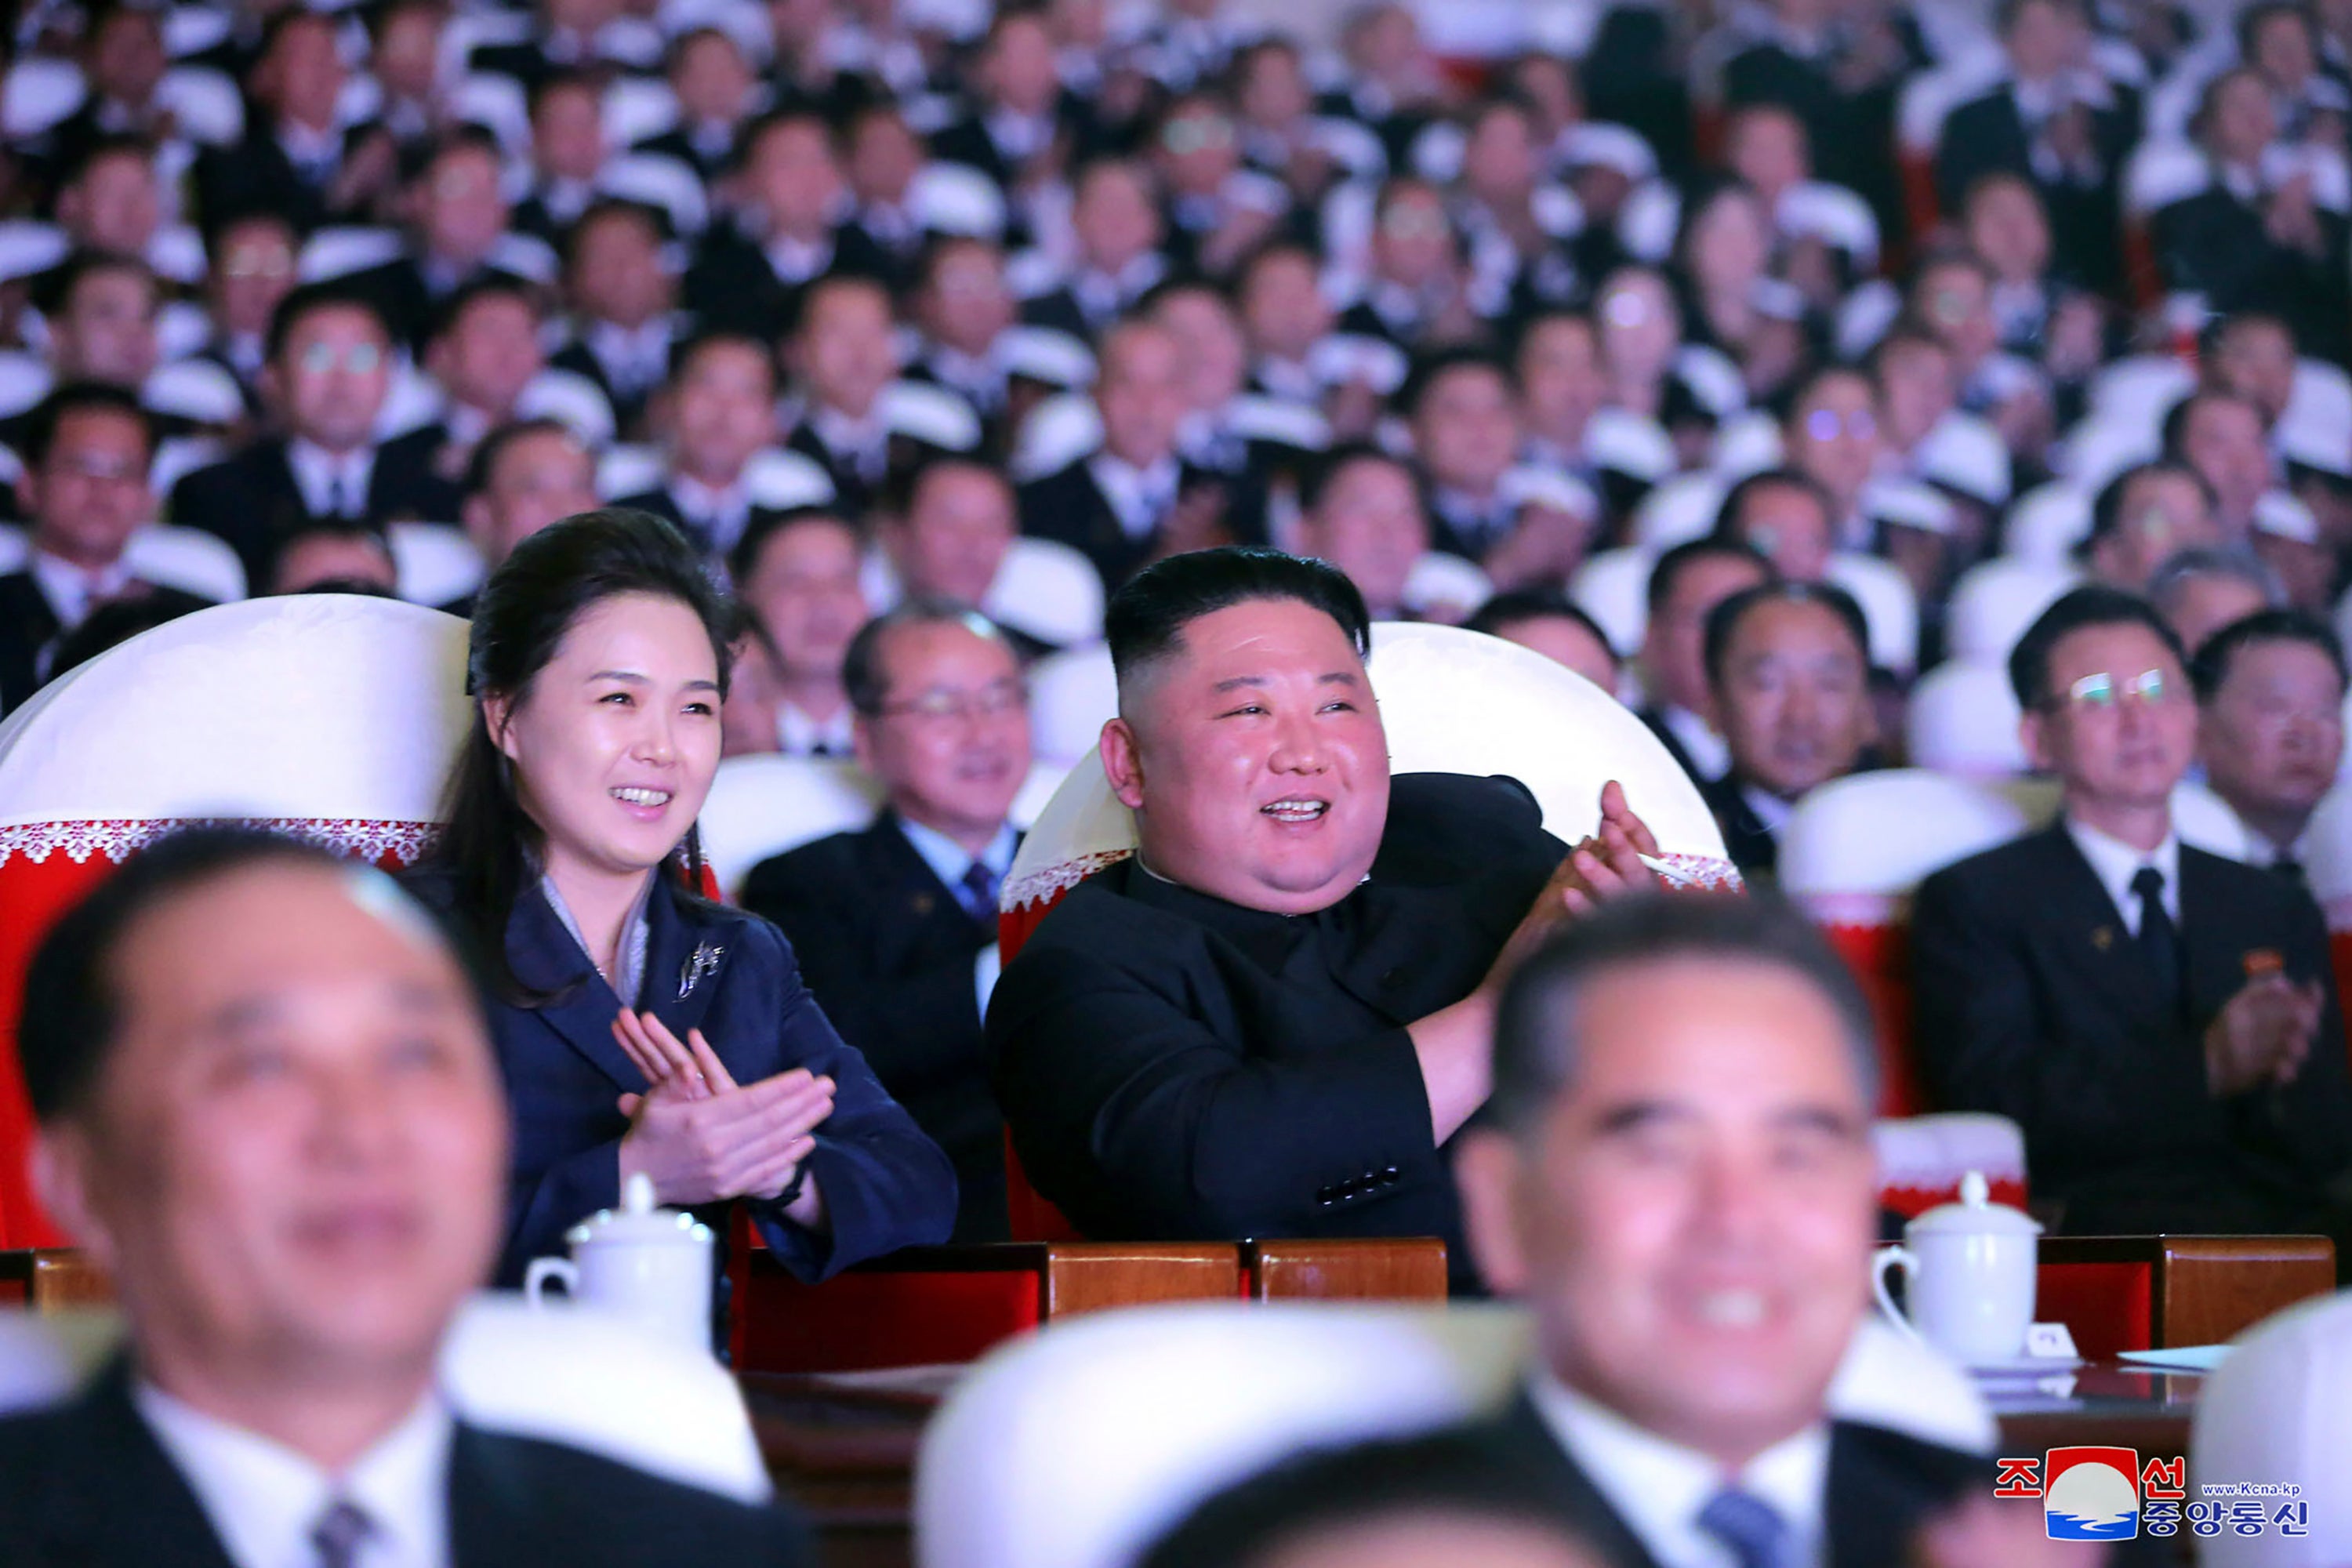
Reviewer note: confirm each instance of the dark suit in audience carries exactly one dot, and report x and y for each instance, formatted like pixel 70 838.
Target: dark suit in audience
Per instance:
pixel 88 1483
pixel 2216 245
pixel 2034 1001
pixel 30 631
pixel 1989 134
pixel 889 951
pixel 254 502
pixel 1176 1067
pixel 734 286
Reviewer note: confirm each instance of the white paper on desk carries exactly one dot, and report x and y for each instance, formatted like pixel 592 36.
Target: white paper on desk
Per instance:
pixel 2182 1358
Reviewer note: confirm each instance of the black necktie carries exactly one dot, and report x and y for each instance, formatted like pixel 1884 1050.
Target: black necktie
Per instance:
pixel 977 893
pixel 336 1537
pixel 2289 867
pixel 2160 939
pixel 1749 1528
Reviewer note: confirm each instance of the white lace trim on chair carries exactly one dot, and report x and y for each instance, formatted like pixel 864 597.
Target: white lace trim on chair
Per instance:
pixel 1686 873
pixel 118 838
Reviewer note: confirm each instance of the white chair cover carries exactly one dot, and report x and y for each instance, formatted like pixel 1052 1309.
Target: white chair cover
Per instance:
pixel 659 182
pixel 1676 511
pixel 570 399
pixel 1962 721
pixel 435 564
pixel 1452 701
pixel 956 198
pixel 1995 600
pixel 780 479
pixel 1855 848
pixel 1056 433
pixel 1072 694
pixel 187 559
pixel 1440 582
pixel 1888 607
pixel 929 413
pixel 2280 1410
pixel 204 103
pixel 1049 590
pixel 199 390
pixel 39 91
pixel 339 252
pixel 627 470
pixel 764 803
pixel 1613 588
pixel 2046 523
pixel 637 107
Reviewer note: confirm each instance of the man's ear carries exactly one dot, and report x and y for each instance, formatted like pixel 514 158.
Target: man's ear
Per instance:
pixel 1486 1171
pixel 60 1164
pixel 1122 760
pixel 861 744
pixel 2033 735
pixel 28 492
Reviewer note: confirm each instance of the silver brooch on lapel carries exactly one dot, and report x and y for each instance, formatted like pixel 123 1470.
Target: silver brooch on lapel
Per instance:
pixel 704 963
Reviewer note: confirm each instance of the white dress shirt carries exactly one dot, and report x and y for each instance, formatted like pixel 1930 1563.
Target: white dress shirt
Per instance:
pixel 264 1499
pixel 862 443
pixel 1139 498
pixel 798 735
pixel 331 484
pixel 2115 863
pixel 1659 1488
pixel 721 514
pixel 951 862
pixel 73 592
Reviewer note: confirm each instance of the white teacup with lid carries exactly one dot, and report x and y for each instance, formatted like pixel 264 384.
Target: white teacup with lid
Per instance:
pixel 1969 1272
pixel 648 1264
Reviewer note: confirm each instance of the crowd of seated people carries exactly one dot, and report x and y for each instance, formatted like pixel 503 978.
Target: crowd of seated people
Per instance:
pixel 759 358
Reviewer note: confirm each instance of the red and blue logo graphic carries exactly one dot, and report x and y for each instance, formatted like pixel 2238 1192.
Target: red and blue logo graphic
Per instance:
pixel 2091 1494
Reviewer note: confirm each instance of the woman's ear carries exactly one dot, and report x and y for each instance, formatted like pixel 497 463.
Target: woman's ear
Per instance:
pixel 495 711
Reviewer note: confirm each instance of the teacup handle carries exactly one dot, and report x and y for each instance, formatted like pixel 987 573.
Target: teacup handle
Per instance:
pixel 543 1269
pixel 1886 1258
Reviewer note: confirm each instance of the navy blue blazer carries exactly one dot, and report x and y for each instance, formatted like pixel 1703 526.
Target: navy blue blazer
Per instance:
pixel 886 1184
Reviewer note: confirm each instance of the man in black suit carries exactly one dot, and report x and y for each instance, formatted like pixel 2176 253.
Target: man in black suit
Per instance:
pixel 1115 218
pixel 2160 1020
pixel 268 1106
pixel 749 273
pixel 327 372
pixel 623 302
pixel 1790 667
pixel 297 158
pixel 895 926
pixel 84 487
pixel 1686 585
pixel 1676 1174
pixel 1135 499
pixel 841 357
pixel 948 531
pixel 2055 120
pixel 460 223
pixel 1273 1019
pixel 1020 116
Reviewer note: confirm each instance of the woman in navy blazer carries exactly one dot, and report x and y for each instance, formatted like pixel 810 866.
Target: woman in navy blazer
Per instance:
pixel 598 660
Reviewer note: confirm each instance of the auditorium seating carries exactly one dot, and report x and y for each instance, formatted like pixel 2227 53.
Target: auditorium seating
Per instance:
pixel 330 716
pixel 2280 1409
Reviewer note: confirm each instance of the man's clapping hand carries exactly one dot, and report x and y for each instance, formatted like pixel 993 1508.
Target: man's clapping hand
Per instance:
pixel 2261 1034
pixel 1605 865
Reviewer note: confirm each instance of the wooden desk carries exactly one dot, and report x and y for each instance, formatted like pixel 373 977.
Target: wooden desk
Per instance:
pixel 2108 1402
pixel 52 1280
pixel 2149 1292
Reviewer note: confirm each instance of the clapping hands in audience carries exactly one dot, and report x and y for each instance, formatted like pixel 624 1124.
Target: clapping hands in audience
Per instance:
pixel 2262 1034
pixel 701 1137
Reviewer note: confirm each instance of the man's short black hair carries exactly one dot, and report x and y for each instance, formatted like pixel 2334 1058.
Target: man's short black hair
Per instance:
pixel 484 464
pixel 1431 368
pixel 1536 1026
pixel 2210 665
pixel 465 296
pixel 863 679
pixel 1537 604
pixel 99 148
pixel 1146 618
pixel 53 291
pixel 605 209
pixel 1258 1520
pixel 1325 466
pixel 1670 566
pixel 765 528
pixel 72 1001
pixel 2091 605
pixel 1723 621
pixel 1735 502
pixel 904 481
pixel 75 397
pixel 328 294
pixel 2107 510
pixel 2177 417
pixel 683 351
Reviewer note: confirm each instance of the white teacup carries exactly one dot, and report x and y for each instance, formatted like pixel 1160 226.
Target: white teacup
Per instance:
pixel 650 1265
pixel 1969 1272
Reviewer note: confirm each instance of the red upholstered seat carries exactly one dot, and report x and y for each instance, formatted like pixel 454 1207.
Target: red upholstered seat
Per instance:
pixel 2328 866
pixel 332 717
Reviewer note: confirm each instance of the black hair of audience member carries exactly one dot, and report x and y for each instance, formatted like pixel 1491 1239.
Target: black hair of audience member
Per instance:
pixel 2185 566
pixel 2208 666
pixel 461 137
pixel 1726 530
pixel 449 311
pixel 275 27
pixel 111 626
pixel 764 529
pixel 71 1013
pixel 335 530
pixel 1534 1020
pixel 605 208
pixel 1252 1522
pixel 863 680
pixel 683 351
pixel 552 578
pixel 1537 604
pixel 1146 618
pixel 1427 370
pixel 2005 11
pixel 484 462
pixel 40 427
pixel 2218 328
pixel 333 293
pixel 1690 552
pixel 562 79
pixel 750 134
pixel 2107 507
pixel 2175 430
pixel 903 481
pixel 106 144
pixel 2090 606
pixel 1723 621
pixel 1325 467
pixel 53 291
pixel 1543 316
pixel 2255 17
pixel 1700 194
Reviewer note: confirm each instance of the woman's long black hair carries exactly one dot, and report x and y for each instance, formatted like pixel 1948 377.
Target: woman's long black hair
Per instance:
pixel 491 848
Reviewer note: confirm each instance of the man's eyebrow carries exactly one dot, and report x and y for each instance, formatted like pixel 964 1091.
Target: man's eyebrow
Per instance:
pixel 1236 682
pixel 1337 677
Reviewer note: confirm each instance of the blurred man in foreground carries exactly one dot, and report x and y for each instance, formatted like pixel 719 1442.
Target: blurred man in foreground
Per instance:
pixel 267 1109
pixel 2270 697
pixel 1271 1020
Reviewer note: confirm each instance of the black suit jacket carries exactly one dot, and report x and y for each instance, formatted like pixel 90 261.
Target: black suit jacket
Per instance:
pixel 410 303
pixel 1068 507
pixel 29 631
pixel 1881 1486
pixel 1987 134
pixel 87 1484
pixel 1746 838
pixel 733 287
pixel 2216 245
pixel 886 1184
pixel 888 952
pixel 1176 1068
pixel 253 502
pixel 256 176
pixel 2033 1001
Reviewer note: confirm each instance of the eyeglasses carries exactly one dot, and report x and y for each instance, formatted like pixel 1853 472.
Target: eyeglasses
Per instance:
pixel 1197 133
pixel 1412 223
pixel 2103 692
pixel 1822 424
pixel 360 358
pixel 938 706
